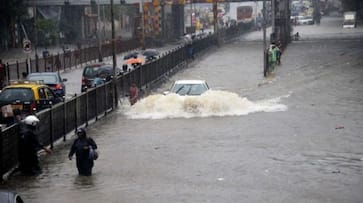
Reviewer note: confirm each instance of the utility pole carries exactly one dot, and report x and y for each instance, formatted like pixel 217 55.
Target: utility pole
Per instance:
pixel 264 22
pixel 142 25
pixel 215 16
pixel 100 58
pixel 114 57
pixel 191 15
pixel 35 39
pixel 273 32
pixel 162 20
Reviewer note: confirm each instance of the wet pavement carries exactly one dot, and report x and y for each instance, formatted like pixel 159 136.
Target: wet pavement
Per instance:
pixel 310 151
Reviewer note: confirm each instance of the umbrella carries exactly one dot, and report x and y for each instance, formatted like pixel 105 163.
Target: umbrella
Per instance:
pixel 150 52
pixel 134 61
pixel 131 55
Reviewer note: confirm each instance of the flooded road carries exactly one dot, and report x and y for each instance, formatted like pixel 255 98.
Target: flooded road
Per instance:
pixel 295 136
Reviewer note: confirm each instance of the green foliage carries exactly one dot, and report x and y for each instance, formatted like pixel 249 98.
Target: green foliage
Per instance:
pixel 47 31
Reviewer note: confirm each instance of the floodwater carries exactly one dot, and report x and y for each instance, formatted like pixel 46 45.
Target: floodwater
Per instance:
pixel 211 103
pixel 295 136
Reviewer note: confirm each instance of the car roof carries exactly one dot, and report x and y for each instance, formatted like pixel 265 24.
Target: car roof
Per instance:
pixel 97 65
pixel 24 84
pixel 189 82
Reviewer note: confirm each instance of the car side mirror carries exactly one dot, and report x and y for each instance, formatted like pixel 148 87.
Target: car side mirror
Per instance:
pixel 64 79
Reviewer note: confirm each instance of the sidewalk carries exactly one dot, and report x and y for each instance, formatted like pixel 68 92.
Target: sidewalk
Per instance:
pixel 18 54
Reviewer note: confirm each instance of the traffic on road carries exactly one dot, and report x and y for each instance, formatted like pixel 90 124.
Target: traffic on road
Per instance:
pixel 291 137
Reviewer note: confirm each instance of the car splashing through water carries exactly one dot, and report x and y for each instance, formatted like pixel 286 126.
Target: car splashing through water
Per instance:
pixel 211 103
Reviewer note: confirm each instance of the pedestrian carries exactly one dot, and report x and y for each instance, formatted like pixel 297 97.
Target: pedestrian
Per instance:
pixel 45 52
pixel 29 146
pixel 190 50
pixel 85 149
pixel 277 51
pixel 272 57
pixel 134 93
pixel 296 36
pixel 57 62
pixel 24 75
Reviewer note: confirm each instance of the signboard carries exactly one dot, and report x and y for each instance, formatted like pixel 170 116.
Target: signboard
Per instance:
pixel 27 46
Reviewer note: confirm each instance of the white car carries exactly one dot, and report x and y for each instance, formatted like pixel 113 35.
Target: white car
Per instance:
pixel 304 20
pixel 188 87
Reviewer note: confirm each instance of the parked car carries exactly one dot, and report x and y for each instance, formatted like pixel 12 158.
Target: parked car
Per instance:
pixel 188 87
pixel 52 79
pixel 304 20
pixel 27 96
pixel 9 196
pixel 94 73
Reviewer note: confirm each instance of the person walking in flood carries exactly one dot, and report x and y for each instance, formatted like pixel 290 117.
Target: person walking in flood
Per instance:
pixel 272 57
pixel 84 147
pixel 134 93
pixel 29 146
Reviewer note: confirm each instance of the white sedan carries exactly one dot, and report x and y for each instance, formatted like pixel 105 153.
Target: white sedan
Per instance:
pixel 304 20
pixel 188 87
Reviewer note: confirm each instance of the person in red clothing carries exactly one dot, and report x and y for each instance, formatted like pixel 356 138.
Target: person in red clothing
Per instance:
pixel 134 93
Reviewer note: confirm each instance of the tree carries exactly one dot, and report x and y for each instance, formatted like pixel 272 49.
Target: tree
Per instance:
pixel 47 31
pixel 11 12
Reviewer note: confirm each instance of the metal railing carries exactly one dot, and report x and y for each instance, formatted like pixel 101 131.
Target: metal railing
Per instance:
pixel 63 118
pixel 66 60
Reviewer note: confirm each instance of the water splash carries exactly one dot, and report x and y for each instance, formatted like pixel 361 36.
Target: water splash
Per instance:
pixel 211 103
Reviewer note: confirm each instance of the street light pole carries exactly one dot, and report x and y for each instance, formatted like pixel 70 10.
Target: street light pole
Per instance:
pixel 99 44
pixel 35 39
pixel 162 19
pixel 264 39
pixel 142 25
pixel 191 15
pixel 215 16
pixel 115 89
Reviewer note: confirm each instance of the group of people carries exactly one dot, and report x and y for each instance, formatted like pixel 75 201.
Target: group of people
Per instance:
pixel 274 56
pixel 85 149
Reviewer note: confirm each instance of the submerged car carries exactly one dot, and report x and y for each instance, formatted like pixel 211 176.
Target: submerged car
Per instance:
pixel 52 79
pixel 188 87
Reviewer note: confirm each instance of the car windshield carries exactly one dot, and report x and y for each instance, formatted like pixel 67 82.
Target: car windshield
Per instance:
pixel 16 94
pixel 189 89
pixel 47 79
